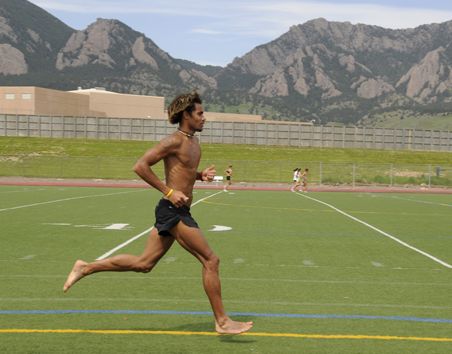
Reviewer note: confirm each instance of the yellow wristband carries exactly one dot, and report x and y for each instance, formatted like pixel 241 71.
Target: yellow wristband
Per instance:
pixel 169 193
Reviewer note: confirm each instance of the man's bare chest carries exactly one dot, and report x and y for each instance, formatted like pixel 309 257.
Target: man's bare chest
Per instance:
pixel 189 154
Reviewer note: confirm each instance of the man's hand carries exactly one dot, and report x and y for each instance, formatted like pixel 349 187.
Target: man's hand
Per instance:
pixel 178 199
pixel 208 174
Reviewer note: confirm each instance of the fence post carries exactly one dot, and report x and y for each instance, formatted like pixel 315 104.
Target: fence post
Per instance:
pixel 343 137
pixel 22 165
pixel 299 135
pixel 353 177
pixel 98 165
pixel 391 172
pixel 374 137
pixel 320 173
pixel 142 129
pixel 256 140
pixel 62 163
pixel 429 176
pixel 321 136
pixel 394 139
pixel 233 133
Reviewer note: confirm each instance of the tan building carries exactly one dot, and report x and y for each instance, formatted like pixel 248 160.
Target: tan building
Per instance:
pixel 95 102
pixel 232 117
pixel 30 100
pixel 112 104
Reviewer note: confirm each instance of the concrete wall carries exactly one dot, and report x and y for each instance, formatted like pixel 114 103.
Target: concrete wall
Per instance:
pixel 259 133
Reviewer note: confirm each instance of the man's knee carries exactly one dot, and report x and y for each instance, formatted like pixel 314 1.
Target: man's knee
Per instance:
pixel 212 262
pixel 144 266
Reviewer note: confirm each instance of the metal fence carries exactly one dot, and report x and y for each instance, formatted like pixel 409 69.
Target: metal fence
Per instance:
pixel 247 171
pixel 259 133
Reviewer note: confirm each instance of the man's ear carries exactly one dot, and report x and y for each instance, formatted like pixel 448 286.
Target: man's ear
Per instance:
pixel 185 115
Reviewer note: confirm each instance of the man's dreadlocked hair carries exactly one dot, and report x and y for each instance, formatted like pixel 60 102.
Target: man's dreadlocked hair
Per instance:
pixel 185 102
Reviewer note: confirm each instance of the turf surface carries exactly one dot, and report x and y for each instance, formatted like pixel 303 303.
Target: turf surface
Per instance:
pixel 299 269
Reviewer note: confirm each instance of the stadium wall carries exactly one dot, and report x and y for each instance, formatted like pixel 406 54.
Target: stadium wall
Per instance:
pixel 252 133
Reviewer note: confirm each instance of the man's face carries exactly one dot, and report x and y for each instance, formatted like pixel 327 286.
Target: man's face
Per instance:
pixel 197 118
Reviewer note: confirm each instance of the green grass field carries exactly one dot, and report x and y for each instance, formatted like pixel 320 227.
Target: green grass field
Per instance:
pixel 301 270
pixel 107 159
pixel 23 146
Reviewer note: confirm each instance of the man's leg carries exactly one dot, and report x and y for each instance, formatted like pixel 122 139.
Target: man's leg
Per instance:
pixel 194 242
pixel 156 247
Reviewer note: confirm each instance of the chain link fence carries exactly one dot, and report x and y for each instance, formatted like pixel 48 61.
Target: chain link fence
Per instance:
pixel 281 171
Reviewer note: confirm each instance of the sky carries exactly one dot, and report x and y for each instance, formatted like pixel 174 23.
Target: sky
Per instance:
pixel 214 32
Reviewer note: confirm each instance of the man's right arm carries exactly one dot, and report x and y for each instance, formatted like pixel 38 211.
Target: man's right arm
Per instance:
pixel 143 169
pixel 143 166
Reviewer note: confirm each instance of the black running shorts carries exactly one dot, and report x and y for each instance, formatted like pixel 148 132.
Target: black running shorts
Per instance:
pixel 167 216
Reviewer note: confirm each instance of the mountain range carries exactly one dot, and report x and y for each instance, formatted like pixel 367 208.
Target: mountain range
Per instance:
pixel 320 70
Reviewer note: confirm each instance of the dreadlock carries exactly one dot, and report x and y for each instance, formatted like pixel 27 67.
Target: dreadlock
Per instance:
pixel 185 102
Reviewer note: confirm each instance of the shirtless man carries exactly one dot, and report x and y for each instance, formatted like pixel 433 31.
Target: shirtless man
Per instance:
pixel 181 155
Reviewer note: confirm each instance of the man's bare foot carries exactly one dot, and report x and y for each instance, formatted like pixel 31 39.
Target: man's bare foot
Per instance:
pixel 75 275
pixel 233 327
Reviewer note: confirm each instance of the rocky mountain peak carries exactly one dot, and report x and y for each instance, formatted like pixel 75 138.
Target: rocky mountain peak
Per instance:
pixel 28 37
pixel 430 77
pixel 333 70
pixel 98 44
pixel 323 62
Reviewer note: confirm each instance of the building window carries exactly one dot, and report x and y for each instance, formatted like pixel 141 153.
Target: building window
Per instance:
pixel 26 96
pixel 10 96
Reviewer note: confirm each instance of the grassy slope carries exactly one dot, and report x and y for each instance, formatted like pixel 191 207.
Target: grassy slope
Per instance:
pixel 134 149
pixel 78 158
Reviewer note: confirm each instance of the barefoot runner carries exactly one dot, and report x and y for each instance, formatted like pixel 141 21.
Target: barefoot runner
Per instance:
pixel 181 155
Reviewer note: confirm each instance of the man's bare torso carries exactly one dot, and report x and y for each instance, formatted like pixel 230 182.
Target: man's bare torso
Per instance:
pixel 181 165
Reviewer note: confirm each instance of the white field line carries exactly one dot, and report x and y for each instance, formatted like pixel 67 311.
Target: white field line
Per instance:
pixel 64 200
pixel 113 250
pixel 437 260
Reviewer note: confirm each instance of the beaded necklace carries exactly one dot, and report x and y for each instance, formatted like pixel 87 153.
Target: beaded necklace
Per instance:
pixel 188 135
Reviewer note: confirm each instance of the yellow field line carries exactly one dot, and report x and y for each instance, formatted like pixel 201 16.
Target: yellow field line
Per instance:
pixel 250 334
